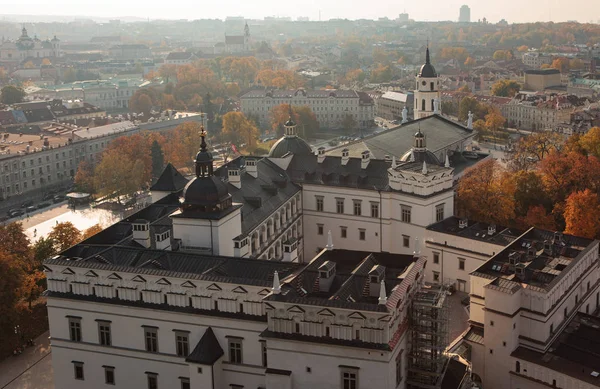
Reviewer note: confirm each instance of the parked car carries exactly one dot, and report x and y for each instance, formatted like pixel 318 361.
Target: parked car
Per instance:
pixel 31 208
pixel 27 204
pixel 58 198
pixel 10 211
pixel 43 205
pixel 48 196
pixel 18 212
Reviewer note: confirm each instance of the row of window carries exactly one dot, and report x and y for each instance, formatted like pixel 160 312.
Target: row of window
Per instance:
pixel 461 261
pixel 362 234
pixel 110 377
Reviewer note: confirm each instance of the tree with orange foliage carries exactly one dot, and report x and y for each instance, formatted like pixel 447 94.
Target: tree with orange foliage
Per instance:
pixel 237 128
pixel 182 144
pixel 14 241
pixel 561 63
pixel 582 212
pixel 538 217
pixel 564 173
pixel 64 235
pixel 93 230
pixel 46 62
pixel 522 49
pixel 458 53
pixel 590 142
pixel 151 75
pixel 10 286
pixel 168 72
pixel 470 62
pixel 135 147
pixel 486 193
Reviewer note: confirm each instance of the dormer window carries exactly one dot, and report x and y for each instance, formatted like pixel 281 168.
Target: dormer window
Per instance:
pixel 345 153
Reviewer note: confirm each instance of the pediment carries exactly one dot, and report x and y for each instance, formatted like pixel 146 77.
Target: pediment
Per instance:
pixel 213 287
pixel 91 273
pixel 356 315
pixel 47 269
pixel 325 312
pixel 264 292
pixel 239 289
pixel 163 281
pixel 138 279
pixel 114 276
pixel 68 271
pixel 188 284
pixel 296 309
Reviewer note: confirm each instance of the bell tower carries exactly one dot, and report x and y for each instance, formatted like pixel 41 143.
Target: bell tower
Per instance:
pixel 427 93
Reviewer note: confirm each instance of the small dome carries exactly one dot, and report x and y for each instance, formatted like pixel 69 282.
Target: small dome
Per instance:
pixel 294 145
pixel 419 134
pixel 420 156
pixel 205 192
pixel 427 71
pixel 203 156
pixel 290 123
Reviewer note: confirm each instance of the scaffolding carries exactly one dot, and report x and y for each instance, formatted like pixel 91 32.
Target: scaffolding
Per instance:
pixel 429 322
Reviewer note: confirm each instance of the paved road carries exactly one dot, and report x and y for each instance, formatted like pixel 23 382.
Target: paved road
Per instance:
pixel 30 370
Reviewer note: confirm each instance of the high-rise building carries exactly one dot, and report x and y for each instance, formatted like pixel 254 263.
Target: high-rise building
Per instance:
pixel 403 17
pixel 465 14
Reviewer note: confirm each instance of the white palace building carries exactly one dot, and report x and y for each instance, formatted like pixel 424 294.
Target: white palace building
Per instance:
pixel 314 270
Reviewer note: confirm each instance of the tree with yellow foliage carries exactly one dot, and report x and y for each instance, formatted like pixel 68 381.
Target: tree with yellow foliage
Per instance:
pixel 582 212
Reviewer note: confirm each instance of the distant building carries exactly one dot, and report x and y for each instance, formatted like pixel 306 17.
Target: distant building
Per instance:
pixel 540 79
pixel 130 51
pixel 530 111
pixel 536 60
pixel 238 43
pixel 403 17
pixel 465 14
pixel 180 58
pixel 390 105
pixel 26 47
pixel 427 92
pixel 303 18
pixel 330 106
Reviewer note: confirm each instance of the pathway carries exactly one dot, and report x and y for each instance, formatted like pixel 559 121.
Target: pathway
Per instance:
pixel 30 370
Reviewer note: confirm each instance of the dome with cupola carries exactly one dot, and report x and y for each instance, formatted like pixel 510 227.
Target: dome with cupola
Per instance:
pixel 290 142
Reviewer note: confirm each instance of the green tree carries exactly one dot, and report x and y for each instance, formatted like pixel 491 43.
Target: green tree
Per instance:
pixel 12 94
pixel 237 129
pixel 14 241
pixel 69 75
pixel 43 249
pixel 116 175
pixel 10 284
pixel 158 159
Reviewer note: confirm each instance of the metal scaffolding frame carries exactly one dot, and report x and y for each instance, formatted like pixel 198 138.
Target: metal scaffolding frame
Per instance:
pixel 429 329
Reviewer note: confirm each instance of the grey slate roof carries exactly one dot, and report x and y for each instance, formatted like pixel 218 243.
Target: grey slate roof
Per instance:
pixel 170 180
pixel 260 196
pixel 440 133
pixel 306 169
pixel 140 260
pixel 207 351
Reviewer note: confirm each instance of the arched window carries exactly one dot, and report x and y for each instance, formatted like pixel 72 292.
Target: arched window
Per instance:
pixel 432 104
pixel 423 105
pixel 518 367
pixel 432 85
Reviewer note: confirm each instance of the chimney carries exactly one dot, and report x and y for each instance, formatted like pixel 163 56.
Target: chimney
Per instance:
pixel 326 275
pixel 548 248
pixel 163 240
pixel 463 223
pixel 382 295
pixel 141 232
pixel 345 156
pixel 514 257
pixel 251 167
pixel 491 229
pixel 233 174
pixel 376 275
pixel 365 159
pixel 320 154
pixel 276 289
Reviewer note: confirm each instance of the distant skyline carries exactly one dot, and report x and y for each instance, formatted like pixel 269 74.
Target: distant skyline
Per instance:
pixel 514 11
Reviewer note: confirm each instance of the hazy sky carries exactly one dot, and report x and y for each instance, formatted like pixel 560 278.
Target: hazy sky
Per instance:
pixel 511 10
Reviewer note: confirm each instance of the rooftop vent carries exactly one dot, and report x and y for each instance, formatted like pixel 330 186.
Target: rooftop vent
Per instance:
pixel 491 229
pixel 326 275
pixel 463 223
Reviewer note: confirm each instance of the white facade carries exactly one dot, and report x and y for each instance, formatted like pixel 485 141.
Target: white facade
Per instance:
pixel 427 100
pixel 26 47
pixel 329 106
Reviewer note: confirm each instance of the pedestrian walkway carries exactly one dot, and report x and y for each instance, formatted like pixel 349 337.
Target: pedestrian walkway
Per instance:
pixel 30 370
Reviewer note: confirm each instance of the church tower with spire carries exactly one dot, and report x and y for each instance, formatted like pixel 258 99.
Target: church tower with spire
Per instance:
pixel 427 92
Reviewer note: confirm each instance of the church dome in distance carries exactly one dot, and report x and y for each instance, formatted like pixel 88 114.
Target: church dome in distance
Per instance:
pixel 427 70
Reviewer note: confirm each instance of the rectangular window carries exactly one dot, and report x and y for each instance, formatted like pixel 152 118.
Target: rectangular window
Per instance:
pixel 375 210
pixel 349 379
pixel 436 258
pixel 344 232
pixel 319 229
pixel 263 349
pixel 235 350
pixel 399 368
pixel 182 344
pixel 185 383
pixel 436 276
pixel 406 214
pixel 405 240
pixel 339 204
pixel 151 336
pixel 439 213
pixel 152 380
pixel 78 370
pixel 357 207
pixel 109 375
pixel 104 333
pixel 461 264
pixel 75 329
pixel 319 203
pixel 362 234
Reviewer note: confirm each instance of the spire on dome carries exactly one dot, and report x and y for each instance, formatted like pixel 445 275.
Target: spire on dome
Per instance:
pixel 203 136
pixel 276 289
pixel 427 59
pixel 382 295
pixel 424 171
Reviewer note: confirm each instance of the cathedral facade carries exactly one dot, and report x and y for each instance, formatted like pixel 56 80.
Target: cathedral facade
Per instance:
pixel 26 47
